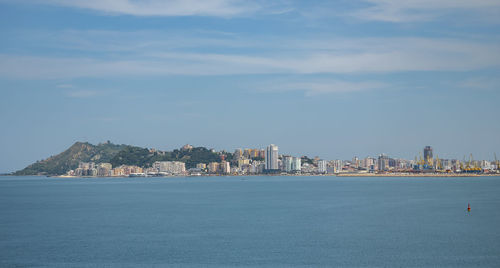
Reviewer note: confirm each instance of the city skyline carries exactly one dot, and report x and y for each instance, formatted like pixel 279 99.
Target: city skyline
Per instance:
pixel 112 160
pixel 336 79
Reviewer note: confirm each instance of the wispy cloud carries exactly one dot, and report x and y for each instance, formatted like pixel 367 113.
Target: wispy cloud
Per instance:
pixel 354 55
pixel 218 8
pixel 423 10
pixel 314 88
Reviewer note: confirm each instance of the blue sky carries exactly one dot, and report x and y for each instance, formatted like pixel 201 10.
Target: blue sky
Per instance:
pixel 335 79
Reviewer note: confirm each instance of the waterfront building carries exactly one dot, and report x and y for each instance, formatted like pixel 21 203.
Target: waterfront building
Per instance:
pixel 104 169
pixel 118 172
pixel 428 156
pixel 257 167
pixel 213 167
pixel 337 165
pixel 225 167
pixel 355 162
pixel 383 162
pixel 86 169
pixel 125 170
pixel 272 158
pixel 173 167
pixel 287 163
pixel 368 163
pixel 296 164
pixel 307 168
pixel 322 166
pixel 392 163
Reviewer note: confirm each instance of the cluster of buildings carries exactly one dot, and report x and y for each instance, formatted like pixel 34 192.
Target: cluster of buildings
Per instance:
pixel 269 161
pixel 160 168
pixel 91 169
pixel 426 163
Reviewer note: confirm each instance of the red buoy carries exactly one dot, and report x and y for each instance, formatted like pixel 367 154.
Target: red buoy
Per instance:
pixel 468 207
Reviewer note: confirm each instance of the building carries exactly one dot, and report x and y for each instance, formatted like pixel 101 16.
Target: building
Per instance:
pixel 355 162
pixel 272 158
pixel 173 167
pixel 383 162
pixel 287 163
pixel 213 167
pixel 243 162
pixel 257 167
pixel 322 166
pixel 261 154
pixel 125 170
pixel 368 163
pixel 104 169
pixel 225 167
pixel 296 164
pixel 86 169
pixel 428 157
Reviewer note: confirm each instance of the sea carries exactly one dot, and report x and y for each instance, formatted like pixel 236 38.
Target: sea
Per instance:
pixel 255 221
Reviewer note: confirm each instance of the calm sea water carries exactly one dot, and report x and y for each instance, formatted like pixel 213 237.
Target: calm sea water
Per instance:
pixel 251 221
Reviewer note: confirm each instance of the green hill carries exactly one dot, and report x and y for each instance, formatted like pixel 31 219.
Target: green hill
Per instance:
pixel 117 155
pixel 69 159
pixel 142 157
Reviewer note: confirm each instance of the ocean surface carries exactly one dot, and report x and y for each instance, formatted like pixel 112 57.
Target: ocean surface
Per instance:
pixel 249 221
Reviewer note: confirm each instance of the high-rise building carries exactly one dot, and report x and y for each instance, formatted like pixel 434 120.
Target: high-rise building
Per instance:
pixel 225 167
pixel 383 162
pixel 296 164
pixel 322 166
pixel 428 154
pixel 291 164
pixel 272 157
pixel 287 163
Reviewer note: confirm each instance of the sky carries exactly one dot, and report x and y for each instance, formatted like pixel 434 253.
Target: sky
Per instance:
pixel 334 79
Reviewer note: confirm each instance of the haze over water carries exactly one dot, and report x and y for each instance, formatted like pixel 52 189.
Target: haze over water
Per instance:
pixel 249 221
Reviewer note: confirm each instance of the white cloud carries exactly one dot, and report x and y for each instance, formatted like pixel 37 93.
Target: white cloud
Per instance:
pixel 219 8
pixel 418 10
pixel 365 55
pixel 313 88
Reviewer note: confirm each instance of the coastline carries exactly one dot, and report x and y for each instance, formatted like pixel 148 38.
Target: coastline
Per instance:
pixel 416 175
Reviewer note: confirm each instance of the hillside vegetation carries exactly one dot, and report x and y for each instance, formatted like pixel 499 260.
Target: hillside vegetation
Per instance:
pixel 69 159
pixel 117 155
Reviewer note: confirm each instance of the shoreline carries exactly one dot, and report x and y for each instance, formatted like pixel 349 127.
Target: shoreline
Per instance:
pixel 418 175
pixel 414 175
